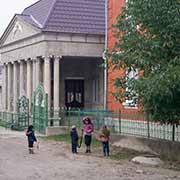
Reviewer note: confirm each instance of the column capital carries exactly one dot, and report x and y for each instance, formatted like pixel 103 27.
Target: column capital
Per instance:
pixel 57 58
pixel 28 59
pixel 33 60
pixel 21 61
pixel 47 60
pixel 14 62
pixel 9 63
pixel 39 59
pixel 50 56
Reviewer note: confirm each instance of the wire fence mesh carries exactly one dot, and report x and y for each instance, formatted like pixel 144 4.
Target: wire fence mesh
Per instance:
pixel 118 122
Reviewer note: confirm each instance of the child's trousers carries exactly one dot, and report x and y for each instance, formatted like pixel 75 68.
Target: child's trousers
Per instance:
pixel 106 148
pixel 74 147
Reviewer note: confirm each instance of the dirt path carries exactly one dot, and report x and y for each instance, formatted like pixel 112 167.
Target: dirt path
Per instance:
pixel 53 161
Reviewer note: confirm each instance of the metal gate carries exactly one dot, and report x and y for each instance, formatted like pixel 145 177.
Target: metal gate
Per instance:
pixel 23 114
pixel 40 109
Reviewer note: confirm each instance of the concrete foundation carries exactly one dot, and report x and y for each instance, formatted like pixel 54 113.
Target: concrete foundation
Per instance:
pixel 163 148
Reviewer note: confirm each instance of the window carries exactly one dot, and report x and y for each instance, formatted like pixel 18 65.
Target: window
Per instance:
pixel 131 96
pixel 126 3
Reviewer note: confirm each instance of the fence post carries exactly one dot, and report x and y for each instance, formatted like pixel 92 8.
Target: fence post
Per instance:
pixel 119 118
pixel 28 118
pixel 46 111
pixel 98 121
pixel 79 117
pixel 34 110
pixel 173 132
pixel 148 126
pixel 69 115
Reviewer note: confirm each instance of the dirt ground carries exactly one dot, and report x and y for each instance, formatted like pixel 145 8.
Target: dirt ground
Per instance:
pixel 54 161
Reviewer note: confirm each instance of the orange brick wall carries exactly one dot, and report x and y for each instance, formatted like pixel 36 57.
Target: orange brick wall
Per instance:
pixel 114 9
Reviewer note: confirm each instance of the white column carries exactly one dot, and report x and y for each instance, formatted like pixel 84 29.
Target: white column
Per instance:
pixel 37 72
pixel 34 76
pixel 21 79
pixel 56 82
pixel 47 79
pixel 4 88
pixel 15 86
pixel 9 89
pixel 29 80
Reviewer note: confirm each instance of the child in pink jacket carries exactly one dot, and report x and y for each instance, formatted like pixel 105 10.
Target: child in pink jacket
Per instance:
pixel 88 130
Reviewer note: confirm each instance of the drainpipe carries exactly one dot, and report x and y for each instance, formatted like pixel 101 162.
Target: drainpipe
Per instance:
pixel 105 60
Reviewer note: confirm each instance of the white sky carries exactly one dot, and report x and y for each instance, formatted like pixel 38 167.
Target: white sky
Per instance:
pixel 10 7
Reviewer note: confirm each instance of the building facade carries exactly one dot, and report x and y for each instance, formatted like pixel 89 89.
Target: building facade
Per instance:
pixel 58 44
pixel 1 70
pixel 114 9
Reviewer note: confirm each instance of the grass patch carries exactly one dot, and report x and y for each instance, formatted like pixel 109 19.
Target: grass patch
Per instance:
pixel 96 143
pixel 62 137
pixel 123 153
pixel 66 138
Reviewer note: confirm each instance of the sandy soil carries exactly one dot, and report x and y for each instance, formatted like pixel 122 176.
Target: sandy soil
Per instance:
pixel 54 161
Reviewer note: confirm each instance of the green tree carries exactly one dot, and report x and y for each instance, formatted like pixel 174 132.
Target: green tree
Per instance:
pixel 148 40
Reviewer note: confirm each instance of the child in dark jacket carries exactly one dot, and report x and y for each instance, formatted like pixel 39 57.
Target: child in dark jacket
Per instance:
pixel 74 139
pixel 31 138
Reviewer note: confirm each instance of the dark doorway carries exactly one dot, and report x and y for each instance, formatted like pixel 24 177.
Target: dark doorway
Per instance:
pixel 74 93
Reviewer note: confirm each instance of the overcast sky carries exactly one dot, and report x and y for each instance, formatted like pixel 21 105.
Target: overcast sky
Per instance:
pixel 10 7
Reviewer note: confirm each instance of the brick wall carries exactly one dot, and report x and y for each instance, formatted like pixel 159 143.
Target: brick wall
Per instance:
pixel 114 9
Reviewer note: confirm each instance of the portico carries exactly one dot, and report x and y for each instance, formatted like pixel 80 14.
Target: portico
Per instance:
pixel 54 73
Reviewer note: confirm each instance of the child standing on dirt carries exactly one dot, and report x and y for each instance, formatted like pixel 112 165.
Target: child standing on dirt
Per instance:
pixel 74 139
pixel 104 137
pixel 31 138
pixel 88 130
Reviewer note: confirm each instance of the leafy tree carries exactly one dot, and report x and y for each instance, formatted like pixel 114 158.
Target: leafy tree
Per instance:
pixel 148 40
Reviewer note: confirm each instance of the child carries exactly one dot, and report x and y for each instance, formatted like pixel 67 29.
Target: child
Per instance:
pixel 31 138
pixel 88 130
pixel 104 137
pixel 74 139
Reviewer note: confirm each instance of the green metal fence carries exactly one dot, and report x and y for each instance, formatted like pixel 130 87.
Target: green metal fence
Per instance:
pixel 118 123
pixel 23 113
pixel 40 109
pixel 11 120
pixel 63 117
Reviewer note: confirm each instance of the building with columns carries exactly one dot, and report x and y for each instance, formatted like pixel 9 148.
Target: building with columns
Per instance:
pixel 58 44
pixel 1 68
